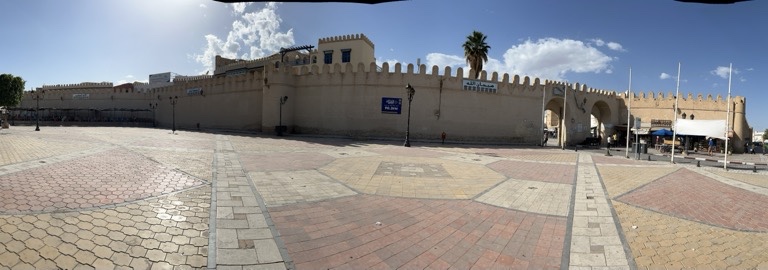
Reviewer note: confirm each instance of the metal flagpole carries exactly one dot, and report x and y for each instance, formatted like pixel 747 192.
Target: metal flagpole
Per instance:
pixel 727 117
pixel 562 132
pixel 543 113
pixel 674 124
pixel 629 109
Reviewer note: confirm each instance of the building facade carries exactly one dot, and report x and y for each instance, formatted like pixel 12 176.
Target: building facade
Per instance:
pixel 337 89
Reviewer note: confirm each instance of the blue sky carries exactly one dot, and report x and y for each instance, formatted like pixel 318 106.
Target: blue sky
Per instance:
pixel 593 42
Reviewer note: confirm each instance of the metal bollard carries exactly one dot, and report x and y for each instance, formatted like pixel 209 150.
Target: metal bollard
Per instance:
pixel 698 163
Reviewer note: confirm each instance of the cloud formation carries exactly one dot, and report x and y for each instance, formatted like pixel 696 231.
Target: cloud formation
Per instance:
pixel 722 72
pixel 547 58
pixel 665 76
pixel 253 35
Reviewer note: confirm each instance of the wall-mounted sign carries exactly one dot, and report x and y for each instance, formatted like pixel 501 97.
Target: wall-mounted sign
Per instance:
pixel 194 91
pixel 236 72
pixel 391 105
pixel 558 90
pixel 473 85
pixel 159 78
pixel 81 96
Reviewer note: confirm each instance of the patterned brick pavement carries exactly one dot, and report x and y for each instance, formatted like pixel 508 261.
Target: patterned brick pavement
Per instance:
pixel 716 204
pixel 365 231
pixel 84 183
pixel 204 200
pixel 553 173
pixel 165 232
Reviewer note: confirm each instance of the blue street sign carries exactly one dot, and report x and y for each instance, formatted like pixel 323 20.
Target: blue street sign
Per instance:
pixel 391 105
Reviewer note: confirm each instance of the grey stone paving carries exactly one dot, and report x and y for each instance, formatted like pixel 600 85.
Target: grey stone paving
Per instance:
pixel 243 237
pixel 595 242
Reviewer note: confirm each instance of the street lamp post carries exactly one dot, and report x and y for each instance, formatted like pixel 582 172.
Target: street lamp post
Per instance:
pixel 37 112
pixel 410 91
pixel 283 99
pixel 174 100
pixel 153 107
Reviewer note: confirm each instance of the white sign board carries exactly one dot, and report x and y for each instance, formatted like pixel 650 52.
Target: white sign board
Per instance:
pixel 194 91
pixel 473 85
pixel 81 96
pixel 160 78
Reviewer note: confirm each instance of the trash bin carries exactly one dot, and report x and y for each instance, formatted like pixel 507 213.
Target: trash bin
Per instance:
pixel 640 148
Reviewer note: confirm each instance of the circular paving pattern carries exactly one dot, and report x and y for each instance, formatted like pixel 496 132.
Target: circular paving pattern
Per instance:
pixel 105 178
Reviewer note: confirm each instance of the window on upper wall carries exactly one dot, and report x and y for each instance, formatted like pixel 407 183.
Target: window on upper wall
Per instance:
pixel 328 57
pixel 345 55
pixel 314 59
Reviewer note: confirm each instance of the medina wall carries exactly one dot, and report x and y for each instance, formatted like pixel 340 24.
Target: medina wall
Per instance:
pixel 348 103
pixel 346 100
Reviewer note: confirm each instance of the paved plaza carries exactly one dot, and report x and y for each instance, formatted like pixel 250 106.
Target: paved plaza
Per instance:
pixel 139 198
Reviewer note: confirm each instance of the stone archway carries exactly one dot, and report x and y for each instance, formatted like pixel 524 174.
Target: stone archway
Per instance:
pixel 553 113
pixel 601 123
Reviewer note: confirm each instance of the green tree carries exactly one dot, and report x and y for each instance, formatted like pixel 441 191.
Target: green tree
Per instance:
pixel 476 52
pixel 11 90
pixel 765 134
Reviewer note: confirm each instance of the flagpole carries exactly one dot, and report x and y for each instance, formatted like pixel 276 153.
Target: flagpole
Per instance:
pixel 629 109
pixel 674 124
pixel 543 113
pixel 727 117
pixel 562 132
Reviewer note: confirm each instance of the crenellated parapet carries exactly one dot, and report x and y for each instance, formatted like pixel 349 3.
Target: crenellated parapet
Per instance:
pixel 191 78
pixel 83 85
pixel 346 38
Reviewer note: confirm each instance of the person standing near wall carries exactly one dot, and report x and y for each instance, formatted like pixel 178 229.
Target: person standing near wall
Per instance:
pixel 610 142
pixel 711 144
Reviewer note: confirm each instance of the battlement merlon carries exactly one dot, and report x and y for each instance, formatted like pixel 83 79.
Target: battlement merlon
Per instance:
pixel 346 38
pixel 84 85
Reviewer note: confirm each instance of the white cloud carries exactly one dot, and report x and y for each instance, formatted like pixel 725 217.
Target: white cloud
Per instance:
pixel 239 8
pixel 547 58
pixel 253 35
pixel 203 6
pixel 611 45
pixel 722 72
pixel 615 46
pixel 391 62
pixel 443 60
pixel 664 76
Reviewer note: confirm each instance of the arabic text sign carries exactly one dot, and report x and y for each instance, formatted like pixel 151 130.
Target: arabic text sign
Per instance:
pixel 391 105
pixel 81 96
pixel 473 85
pixel 194 91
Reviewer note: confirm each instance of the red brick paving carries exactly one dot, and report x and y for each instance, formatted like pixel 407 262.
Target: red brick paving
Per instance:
pixel 106 178
pixel 283 161
pixel 545 172
pixel 416 233
pixel 690 195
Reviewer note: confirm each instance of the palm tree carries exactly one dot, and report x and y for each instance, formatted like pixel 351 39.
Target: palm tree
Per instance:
pixel 476 52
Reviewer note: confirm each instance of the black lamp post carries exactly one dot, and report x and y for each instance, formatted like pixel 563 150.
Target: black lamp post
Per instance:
pixel 283 99
pixel 174 100
pixel 153 107
pixel 410 91
pixel 37 112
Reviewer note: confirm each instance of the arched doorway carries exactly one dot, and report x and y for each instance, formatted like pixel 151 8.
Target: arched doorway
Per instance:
pixel 600 121
pixel 553 122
